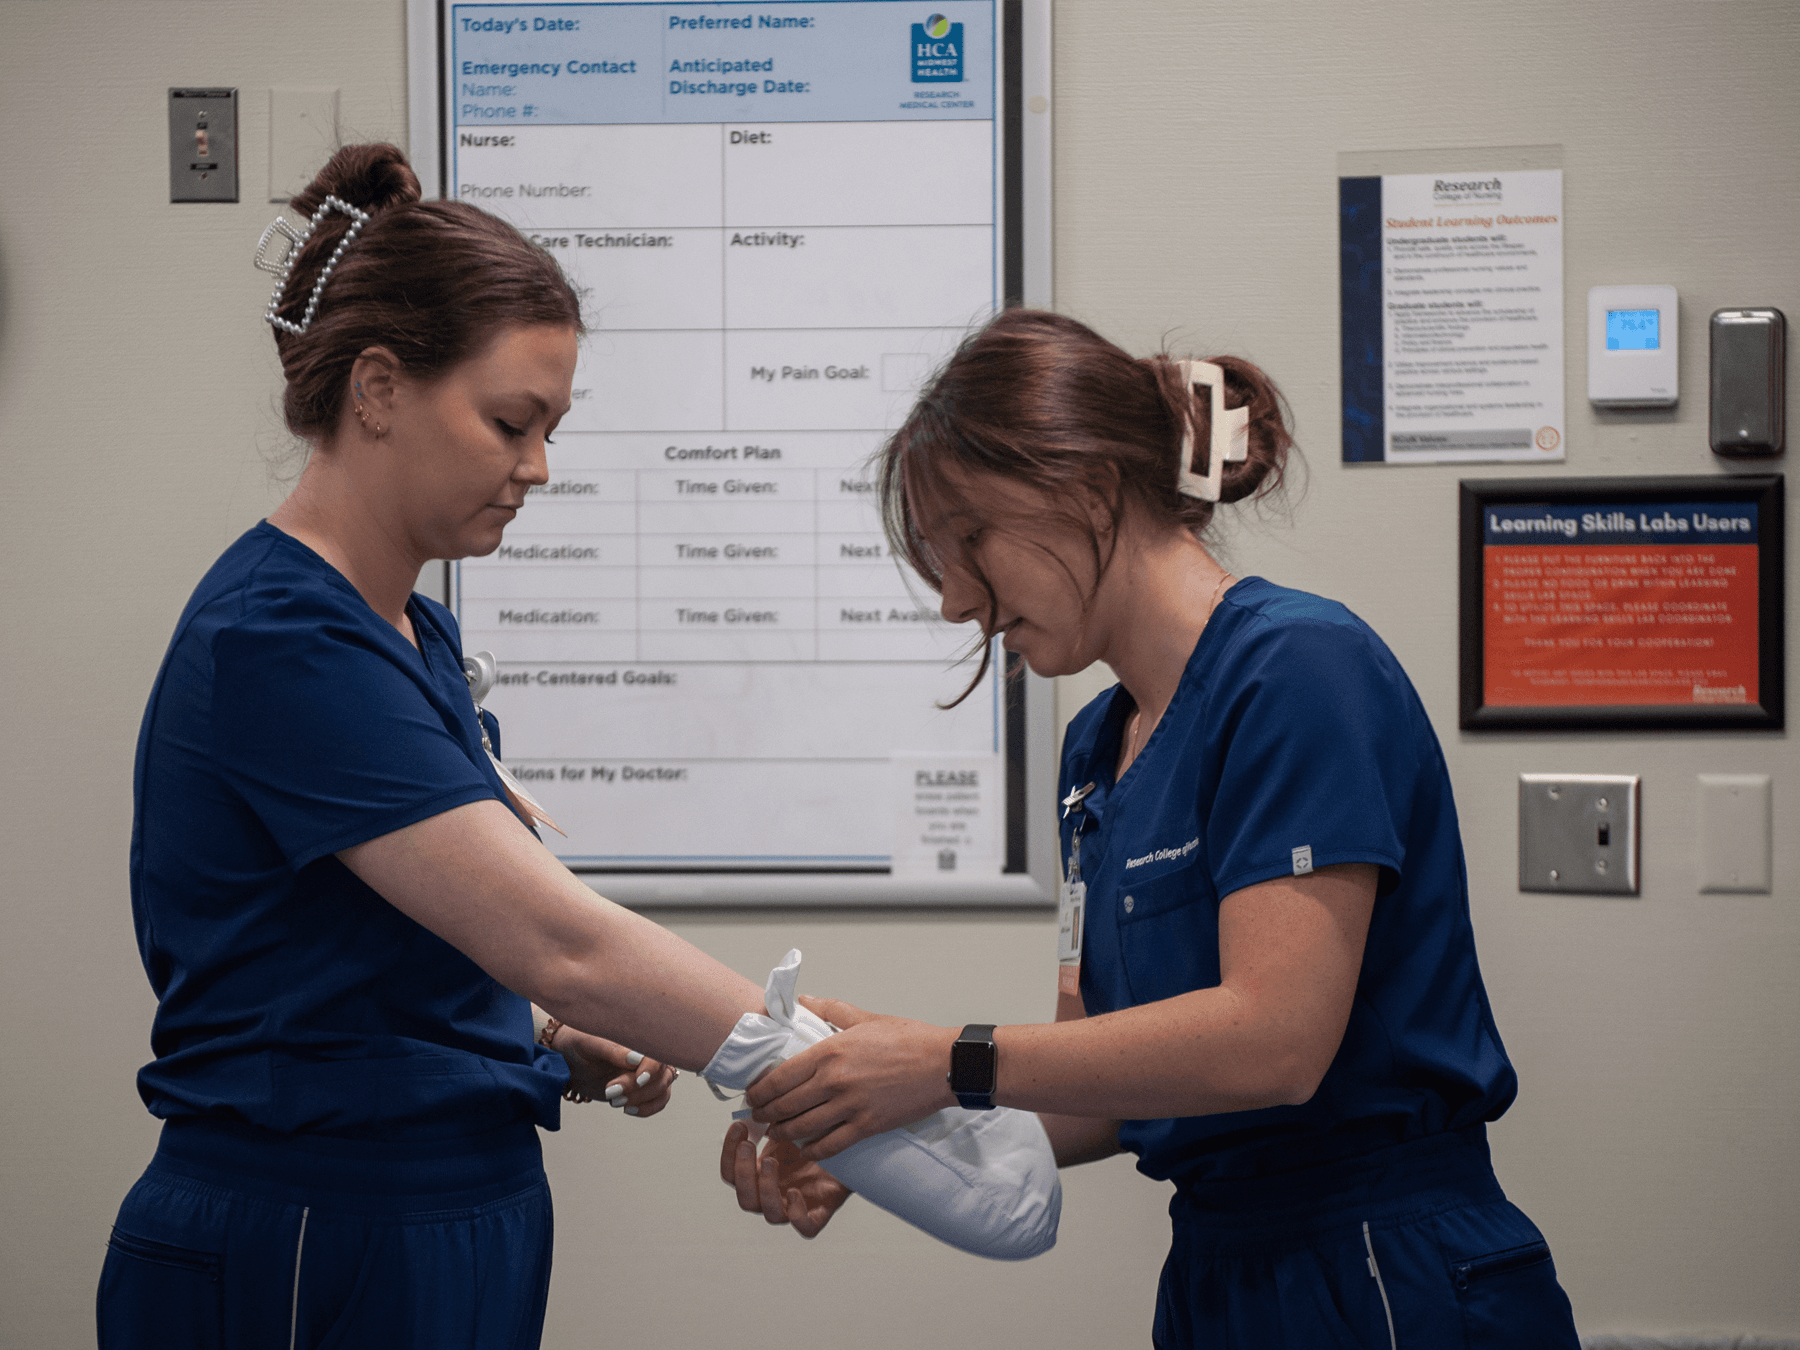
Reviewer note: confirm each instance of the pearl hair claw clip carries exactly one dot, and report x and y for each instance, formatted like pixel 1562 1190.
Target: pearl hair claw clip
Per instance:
pixel 296 241
pixel 1230 433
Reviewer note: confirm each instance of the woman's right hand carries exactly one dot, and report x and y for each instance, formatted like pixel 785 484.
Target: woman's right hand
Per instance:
pixel 607 1072
pixel 876 1074
pixel 781 1186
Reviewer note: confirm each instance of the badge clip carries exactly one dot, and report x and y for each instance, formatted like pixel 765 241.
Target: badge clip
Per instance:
pixel 1075 799
pixel 482 672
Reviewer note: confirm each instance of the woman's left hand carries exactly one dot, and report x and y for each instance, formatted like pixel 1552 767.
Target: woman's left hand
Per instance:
pixel 877 1074
pixel 781 1186
pixel 608 1072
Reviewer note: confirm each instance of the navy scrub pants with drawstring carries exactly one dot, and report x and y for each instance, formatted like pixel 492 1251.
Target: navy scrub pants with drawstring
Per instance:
pixel 235 1236
pixel 1413 1247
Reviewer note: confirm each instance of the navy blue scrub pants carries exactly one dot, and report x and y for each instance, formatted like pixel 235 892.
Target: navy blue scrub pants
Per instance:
pixel 235 1236
pixel 1413 1247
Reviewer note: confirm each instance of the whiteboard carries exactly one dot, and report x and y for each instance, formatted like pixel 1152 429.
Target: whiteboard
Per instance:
pixel 783 217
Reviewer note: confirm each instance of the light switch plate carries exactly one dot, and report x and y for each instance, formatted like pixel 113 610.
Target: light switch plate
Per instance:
pixel 1578 833
pixel 1736 826
pixel 203 145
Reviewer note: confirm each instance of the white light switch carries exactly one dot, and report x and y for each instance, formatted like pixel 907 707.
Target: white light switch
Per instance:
pixel 302 136
pixel 1735 829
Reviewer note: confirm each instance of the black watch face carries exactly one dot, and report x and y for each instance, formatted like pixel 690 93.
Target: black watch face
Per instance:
pixel 972 1066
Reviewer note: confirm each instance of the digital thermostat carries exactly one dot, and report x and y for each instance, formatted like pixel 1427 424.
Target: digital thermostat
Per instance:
pixel 1632 349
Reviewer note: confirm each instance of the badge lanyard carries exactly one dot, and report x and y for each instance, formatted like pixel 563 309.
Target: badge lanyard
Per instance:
pixel 1071 905
pixel 481 670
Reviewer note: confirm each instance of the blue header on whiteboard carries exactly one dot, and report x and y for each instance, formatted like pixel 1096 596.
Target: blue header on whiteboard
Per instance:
pixel 1665 523
pixel 758 60
pixel 1633 330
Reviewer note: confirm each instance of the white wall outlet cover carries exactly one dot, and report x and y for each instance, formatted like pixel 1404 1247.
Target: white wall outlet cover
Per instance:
pixel 302 136
pixel 1736 832
pixel 1578 833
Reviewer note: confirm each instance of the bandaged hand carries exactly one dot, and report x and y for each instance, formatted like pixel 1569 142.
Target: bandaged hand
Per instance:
pixel 610 1073
pixel 877 1074
pixel 983 1181
pixel 780 1186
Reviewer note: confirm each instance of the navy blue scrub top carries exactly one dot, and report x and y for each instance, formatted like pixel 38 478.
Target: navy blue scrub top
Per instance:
pixel 1294 741
pixel 290 721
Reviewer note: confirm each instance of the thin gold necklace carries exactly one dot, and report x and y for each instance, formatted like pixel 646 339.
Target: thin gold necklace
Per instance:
pixel 1137 714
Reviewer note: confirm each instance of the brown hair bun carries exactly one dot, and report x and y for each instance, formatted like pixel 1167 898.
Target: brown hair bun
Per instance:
pixel 432 282
pixel 1246 386
pixel 371 177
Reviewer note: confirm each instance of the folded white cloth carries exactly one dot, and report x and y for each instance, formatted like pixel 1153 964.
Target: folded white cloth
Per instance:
pixel 982 1181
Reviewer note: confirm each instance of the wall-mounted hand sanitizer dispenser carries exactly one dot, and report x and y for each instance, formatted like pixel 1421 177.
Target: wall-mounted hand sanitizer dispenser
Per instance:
pixel 1633 354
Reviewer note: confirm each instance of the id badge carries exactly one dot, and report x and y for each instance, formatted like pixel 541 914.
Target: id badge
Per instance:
pixel 521 798
pixel 1071 910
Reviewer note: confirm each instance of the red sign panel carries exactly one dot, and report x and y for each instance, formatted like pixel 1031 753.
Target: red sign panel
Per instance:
pixel 1620 624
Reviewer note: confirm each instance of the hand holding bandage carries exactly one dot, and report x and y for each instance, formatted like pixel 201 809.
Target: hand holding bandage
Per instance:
pixel 983 1181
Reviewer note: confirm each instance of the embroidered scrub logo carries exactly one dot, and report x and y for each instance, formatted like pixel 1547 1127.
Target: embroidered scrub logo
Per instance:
pixel 937 51
pixel 1173 854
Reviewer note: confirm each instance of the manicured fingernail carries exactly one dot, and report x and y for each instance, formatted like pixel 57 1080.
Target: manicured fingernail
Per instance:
pixel 614 1090
pixel 615 1102
pixel 633 1058
pixel 643 1077
pixel 631 1110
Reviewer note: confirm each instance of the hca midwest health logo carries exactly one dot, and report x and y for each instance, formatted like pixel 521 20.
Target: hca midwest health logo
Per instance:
pixel 937 47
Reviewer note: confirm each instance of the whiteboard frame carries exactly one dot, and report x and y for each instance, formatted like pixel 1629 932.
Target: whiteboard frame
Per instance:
pixel 1024 41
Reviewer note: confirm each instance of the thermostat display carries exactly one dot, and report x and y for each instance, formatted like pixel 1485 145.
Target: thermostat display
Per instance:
pixel 1632 330
pixel 1632 356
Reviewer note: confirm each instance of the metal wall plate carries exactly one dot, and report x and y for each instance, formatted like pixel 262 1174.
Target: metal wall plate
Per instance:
pixel 203 145
pixel 1578 832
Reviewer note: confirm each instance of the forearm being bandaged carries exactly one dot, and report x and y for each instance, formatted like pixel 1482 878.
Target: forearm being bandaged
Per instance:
pixel 982 1181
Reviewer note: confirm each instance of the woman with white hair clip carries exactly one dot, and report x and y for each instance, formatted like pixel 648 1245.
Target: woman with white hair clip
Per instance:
pixel 1268 988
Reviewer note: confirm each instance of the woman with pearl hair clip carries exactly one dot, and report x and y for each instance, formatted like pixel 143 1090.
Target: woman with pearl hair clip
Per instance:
pixel 340 897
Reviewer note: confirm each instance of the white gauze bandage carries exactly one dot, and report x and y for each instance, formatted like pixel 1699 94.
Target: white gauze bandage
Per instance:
pixel 982 1181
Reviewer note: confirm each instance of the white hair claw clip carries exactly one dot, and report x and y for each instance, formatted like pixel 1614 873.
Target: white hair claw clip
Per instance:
pixel 1230 433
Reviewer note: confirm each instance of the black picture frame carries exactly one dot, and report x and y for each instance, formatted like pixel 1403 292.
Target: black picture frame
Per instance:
pixel 1766 491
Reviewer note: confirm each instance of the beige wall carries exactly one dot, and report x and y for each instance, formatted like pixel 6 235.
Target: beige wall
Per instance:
pixel 1658 1039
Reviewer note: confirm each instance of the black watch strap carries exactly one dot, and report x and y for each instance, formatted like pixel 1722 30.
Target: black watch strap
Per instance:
pixel 974 1067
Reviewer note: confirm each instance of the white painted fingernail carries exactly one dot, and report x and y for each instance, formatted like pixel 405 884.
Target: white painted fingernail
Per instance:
pixel 631 1110
pixel 614 1090
pixel 643 1077
pixel 615 1101
pixel 633 1058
